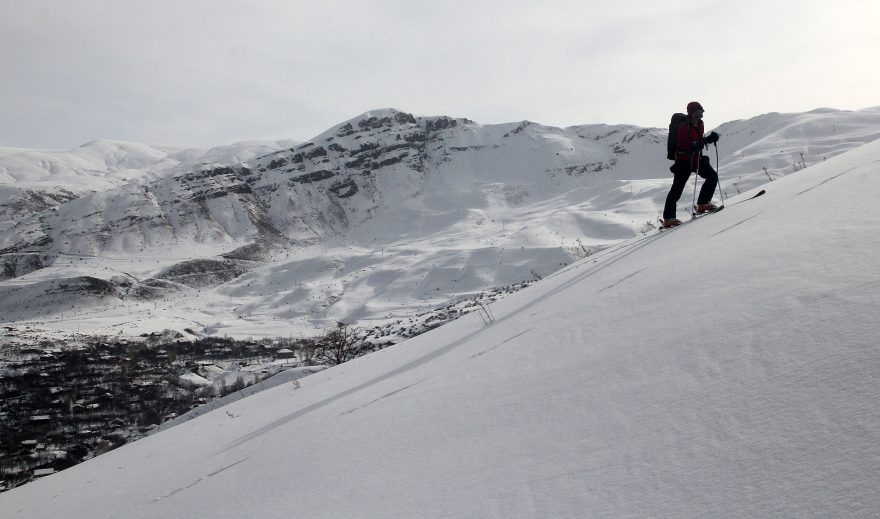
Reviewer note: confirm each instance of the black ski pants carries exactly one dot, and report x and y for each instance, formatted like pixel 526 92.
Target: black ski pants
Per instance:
pixel 682 171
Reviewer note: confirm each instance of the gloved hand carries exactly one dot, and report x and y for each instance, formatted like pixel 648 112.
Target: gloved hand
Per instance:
pixel 712 138
pixel 698 145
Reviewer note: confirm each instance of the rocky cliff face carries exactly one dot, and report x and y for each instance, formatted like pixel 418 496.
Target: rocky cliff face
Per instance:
pixel 300 195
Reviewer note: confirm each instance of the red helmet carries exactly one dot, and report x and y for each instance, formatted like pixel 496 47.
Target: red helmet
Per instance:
pixel 693 106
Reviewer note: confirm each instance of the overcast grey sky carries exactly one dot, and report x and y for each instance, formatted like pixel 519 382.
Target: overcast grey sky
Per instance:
pixel 213 72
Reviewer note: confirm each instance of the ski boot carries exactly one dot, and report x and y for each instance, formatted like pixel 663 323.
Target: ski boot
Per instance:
pixel 708 207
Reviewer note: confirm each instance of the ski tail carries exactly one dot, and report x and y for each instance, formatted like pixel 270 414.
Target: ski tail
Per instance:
pixel 756 195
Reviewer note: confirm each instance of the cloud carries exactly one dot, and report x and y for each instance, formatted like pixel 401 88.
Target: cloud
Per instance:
pixel 202 73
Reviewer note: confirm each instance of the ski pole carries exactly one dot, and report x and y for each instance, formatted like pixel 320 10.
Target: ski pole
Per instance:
pixel 694 202
pixel 718 172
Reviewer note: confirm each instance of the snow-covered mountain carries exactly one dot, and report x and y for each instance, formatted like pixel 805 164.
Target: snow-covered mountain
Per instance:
pixel 379 218
pixel 727 368
pixel 35 180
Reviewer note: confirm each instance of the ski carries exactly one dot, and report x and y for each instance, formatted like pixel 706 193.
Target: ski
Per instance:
pixel 756 195
pixel 695 216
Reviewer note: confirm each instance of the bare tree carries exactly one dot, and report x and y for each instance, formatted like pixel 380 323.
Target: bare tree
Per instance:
pixel 340 344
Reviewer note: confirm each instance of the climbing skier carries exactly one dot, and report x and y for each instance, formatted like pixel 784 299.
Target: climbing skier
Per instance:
pixel 689 159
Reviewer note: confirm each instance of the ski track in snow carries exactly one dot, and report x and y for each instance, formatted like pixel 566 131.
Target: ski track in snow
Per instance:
pixel 383 397
pixel 737 224
pixel 628 276
pixel 435 354
pixel 200 480
pixel 502 343
pixel 835 177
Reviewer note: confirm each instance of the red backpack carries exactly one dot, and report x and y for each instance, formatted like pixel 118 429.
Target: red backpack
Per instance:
pixel 672 140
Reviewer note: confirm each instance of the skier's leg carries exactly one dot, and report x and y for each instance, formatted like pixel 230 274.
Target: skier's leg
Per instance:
pixel 680 169
pixel 708 173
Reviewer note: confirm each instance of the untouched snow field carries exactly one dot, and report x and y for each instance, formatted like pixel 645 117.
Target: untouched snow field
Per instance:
pixel 728 368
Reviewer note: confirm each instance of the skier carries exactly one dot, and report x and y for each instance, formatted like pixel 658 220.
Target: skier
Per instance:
pixel 689 159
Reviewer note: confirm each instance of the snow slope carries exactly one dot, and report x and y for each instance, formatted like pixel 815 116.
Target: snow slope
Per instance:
pixel 728 368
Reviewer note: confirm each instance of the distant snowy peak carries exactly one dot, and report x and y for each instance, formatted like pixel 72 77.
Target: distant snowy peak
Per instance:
pixel 103 164
pixel 92 166
pixel 232 154
pixel 782 143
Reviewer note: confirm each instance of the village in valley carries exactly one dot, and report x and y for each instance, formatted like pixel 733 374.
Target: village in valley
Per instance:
pixel 65 401
pixel 62 405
